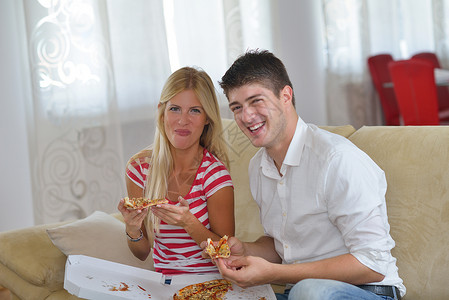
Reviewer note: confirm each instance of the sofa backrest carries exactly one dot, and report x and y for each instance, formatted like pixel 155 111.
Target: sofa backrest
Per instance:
pixel 240 151
pixel 415 160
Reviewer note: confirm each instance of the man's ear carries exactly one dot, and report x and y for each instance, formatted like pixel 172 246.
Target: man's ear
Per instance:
pixel 286 94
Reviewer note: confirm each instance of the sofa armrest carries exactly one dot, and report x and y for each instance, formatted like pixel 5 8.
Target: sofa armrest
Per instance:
pixel 31 255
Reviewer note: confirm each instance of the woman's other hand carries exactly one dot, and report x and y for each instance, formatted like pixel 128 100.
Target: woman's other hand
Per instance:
pixel 178 215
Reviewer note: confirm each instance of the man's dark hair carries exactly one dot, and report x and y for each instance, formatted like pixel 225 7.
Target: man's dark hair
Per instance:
pixel 257 66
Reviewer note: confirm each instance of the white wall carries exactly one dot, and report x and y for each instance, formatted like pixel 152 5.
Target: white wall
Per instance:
pixel 297 43
pixel 15 182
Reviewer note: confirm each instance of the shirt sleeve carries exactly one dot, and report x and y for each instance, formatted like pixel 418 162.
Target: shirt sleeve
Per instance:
pixel 216 177
pixel 137 169
pixel 355 192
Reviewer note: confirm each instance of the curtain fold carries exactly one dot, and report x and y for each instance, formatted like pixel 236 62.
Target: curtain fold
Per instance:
pixel 349 94
pixel 440 11
pixel 76 145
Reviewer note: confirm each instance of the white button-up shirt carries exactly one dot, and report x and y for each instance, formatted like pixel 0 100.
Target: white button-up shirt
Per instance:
pixel 328 200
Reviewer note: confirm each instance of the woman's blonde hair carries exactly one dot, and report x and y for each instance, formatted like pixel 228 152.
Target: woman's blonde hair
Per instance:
pixel 161 161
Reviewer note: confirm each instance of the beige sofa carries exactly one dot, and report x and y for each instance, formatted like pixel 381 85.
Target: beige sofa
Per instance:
pixel 416 163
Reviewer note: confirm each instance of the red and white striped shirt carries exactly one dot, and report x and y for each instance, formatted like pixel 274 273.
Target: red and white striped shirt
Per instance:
pixel 175 252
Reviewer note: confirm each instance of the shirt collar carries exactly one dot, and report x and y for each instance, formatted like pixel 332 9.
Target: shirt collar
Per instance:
pixel 294 152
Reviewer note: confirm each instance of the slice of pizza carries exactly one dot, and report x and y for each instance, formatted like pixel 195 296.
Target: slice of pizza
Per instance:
pixel 221 250
pixel 213 289
pixel 139 203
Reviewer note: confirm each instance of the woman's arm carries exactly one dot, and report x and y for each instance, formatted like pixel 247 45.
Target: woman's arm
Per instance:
pixel 134 221
pixel 221 216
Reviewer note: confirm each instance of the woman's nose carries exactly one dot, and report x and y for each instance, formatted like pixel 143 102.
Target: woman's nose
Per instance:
pixel 184 118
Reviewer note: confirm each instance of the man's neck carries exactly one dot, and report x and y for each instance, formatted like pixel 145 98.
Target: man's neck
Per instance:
pixel 279 151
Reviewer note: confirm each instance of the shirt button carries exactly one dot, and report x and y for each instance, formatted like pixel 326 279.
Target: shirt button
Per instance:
pixel 284 214
pixel 285 246
pixel 281 182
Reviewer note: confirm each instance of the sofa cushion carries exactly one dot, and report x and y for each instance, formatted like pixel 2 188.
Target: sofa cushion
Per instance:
pixel 99 235
pixel 415 160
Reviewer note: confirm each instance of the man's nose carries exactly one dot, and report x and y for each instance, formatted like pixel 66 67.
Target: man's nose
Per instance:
pixel 247 114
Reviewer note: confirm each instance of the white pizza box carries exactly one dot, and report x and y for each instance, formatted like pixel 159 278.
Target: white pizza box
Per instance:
pixel 93 278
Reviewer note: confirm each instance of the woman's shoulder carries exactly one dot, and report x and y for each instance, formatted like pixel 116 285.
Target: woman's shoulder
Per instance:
pixel 211 160
pixel 141 157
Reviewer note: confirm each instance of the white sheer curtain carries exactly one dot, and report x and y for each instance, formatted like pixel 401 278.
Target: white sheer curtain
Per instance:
pixel 97 68
pixel 74 146
pixel 356 29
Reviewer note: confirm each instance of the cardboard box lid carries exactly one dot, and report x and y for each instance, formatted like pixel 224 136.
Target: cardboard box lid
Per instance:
pixel 93 278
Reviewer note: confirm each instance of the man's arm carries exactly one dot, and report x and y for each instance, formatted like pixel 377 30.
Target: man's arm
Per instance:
pixel 250 271
pixel 342 268
pixel 262 247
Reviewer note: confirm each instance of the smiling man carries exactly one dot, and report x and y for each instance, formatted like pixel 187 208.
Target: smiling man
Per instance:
pixel 321 199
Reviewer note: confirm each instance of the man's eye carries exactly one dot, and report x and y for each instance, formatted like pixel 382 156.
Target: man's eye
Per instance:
pixel 235 108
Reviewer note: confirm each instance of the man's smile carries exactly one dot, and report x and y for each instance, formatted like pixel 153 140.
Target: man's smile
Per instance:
pixel 255 127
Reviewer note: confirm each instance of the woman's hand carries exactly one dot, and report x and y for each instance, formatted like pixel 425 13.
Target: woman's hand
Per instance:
pixel 178 215
pixel 133 217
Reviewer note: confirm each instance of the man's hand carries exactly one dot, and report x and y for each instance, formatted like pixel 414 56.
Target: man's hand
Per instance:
pixel 235 246
pixel 246 271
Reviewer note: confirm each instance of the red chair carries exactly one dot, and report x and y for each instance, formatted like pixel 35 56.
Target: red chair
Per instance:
pixel 378 67
pixel 430 56
pixel 416 92
pixel 443 91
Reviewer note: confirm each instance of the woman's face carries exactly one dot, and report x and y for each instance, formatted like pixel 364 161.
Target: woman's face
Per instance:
pixel 184 120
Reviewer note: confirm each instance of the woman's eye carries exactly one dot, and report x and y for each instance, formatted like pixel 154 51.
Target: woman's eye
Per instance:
pixel 174 108
pixel 196 110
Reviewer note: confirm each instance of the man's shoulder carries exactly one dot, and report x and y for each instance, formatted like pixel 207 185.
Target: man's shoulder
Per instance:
pixel 326 142
pixel 327 146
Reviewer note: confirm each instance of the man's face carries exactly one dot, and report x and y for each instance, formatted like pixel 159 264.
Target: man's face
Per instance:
pixel 259 113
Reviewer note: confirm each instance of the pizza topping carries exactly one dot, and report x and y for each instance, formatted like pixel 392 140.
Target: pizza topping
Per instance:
pixel 213 289
pixel 136 203
pixel 221 250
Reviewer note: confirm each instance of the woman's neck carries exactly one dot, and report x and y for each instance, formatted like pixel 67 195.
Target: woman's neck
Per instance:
pixel 186 159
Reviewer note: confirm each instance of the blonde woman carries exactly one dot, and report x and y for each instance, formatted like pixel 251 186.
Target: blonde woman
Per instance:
pixel 185 166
